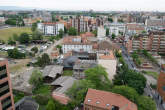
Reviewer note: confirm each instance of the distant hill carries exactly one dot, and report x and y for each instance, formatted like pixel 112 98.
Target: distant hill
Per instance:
pixel 15 8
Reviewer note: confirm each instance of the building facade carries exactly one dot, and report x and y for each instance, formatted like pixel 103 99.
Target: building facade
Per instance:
pixel 6 96
pixel 51 29
pixel 77 43
pixel 154 42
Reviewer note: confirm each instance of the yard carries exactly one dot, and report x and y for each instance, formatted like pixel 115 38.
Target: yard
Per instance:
pixel 151 73
pixel 43 89
pixel 6 33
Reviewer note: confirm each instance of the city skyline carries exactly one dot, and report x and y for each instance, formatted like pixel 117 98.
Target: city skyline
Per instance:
pixel 106 5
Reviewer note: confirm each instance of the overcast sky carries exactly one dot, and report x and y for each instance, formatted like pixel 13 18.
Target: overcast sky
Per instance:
pixel 99 5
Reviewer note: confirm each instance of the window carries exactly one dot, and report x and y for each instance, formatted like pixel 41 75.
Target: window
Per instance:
pixel 4 88
pixel 2 67
pixel 115 107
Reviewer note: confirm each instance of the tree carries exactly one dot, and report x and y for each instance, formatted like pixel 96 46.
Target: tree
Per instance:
pixel 99 77
pixel 113 36
pixel 34 27
pixel 24 38
pixel 34 49
pixel 107 32
pixel 36 78
pixel 126 91
pixel 95 32
pixel 50 105
pixel 110 20
pixel 72 31
pixel 14 53
pixel 37 35
pixel 65 30
pixel 145 103
pixel 61 33
pixel 59 47
pixel 44 60
pixel 11 41
pixel 10 21
pixel 78 91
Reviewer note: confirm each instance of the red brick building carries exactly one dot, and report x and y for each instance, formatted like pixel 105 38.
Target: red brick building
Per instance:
pixel 6 96
pixel 102 100
pixel 154 42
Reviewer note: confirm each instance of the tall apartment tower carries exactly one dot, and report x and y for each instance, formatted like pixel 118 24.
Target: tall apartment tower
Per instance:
pixel 6 96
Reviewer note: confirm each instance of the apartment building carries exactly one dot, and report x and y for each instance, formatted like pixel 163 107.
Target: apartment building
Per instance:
pixel 86 23
pixel 6 96
pixel 50 29
pixel 76 43
pixel 102 100
pixel 154 42
pixel 134 28
pixel 117 28
pixel 101 33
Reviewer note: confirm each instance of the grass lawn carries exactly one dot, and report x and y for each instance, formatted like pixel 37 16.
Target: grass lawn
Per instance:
pixel 151 73
pixel 43 89
pixel 6 33
pixel 68 73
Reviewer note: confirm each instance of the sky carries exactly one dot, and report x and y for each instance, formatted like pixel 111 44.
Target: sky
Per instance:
pixel 96 5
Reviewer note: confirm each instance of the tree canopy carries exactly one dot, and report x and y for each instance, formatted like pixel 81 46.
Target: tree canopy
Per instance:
pixel 145 103
pixel 126 91
pixel 72 31
pixel 24 38
pixel 36 78
pixel 99 77
pixel 14 53
pixel 43 60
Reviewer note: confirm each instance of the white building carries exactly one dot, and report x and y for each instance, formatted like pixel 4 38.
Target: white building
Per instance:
pixel 76 44
pixel 117 28
pixel 109 62
pixel 2 20
pixel 101 33
pixel 50 28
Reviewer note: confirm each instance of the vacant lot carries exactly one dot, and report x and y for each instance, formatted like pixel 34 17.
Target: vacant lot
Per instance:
pixel 6 33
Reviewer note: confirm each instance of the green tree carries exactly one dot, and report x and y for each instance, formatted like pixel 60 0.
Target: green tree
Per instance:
pixel 37 35
pixel 72 31
pixel 126 91
pixel 78 91
pixel 14 53
pixel 99 77
pixel 110 20
pixel 107 32
pixel 24 38
pixel 65 30
pixel 145 103
pixel 44 60
pixel 50 105
pixel 95 32
pixel 61 33
pixel 36 78
pixel 113 36
pixel 11 41
pixel 34 27
pixel 59 47
pixel 34 49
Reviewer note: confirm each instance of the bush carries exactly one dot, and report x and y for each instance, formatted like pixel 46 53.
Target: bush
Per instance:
pixel 42 99
pixel 14 53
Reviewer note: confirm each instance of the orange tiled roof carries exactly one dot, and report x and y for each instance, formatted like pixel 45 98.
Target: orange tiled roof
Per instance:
pixel 108 56
pixel 105 100
pixel 63 99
